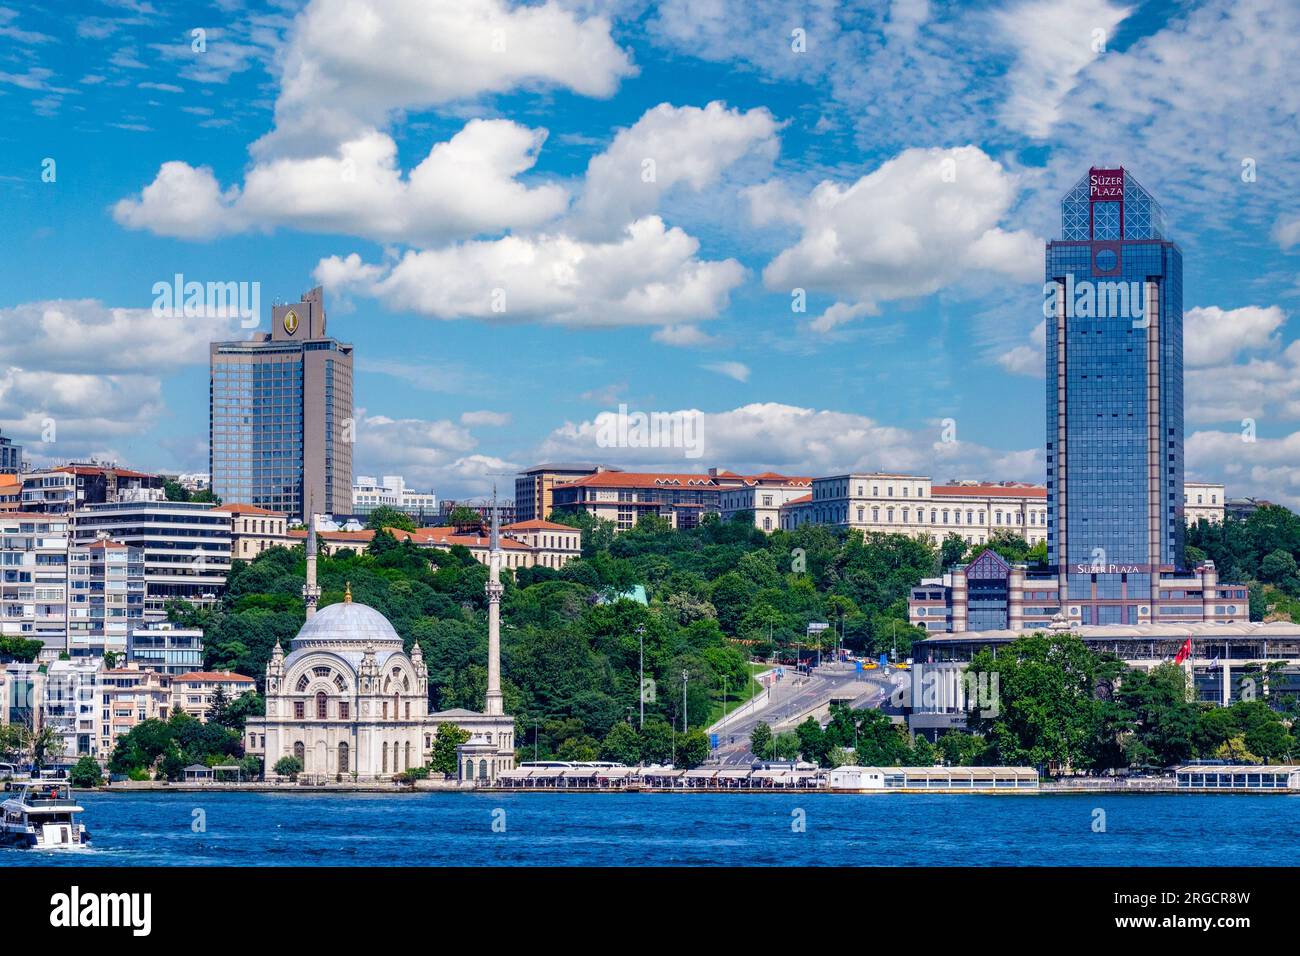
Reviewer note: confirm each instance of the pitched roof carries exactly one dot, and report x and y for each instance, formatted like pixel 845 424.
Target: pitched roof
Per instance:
pixel 989 491
pixel 538 524
pixel 243 509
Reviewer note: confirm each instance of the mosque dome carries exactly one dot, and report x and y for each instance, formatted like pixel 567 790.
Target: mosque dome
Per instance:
pixel 348 625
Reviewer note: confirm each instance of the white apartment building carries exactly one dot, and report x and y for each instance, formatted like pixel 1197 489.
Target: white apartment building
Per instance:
pixel 1202 500
pixel 34 579
pixel 195 692
pixel 914 505
pixel 391 491
pixel 186 545
pixel 106 590
pixel 62 695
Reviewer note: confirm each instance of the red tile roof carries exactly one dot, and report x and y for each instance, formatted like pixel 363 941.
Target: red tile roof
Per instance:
pixel 213 677
pixel 990 491
pixel 102 470
pixel 243 509
pixel 538 525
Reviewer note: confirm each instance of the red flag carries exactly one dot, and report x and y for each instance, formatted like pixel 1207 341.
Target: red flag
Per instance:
pixel 1184 652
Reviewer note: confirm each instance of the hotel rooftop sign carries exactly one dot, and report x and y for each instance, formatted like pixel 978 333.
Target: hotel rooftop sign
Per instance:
pixel 1105 184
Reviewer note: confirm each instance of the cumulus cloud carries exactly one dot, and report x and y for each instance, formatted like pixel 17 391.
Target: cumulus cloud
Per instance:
pixel 685 335
pixel 434 454
pixel 464 187
pixel 485 417
pixel 1262 468
pixel 648 276
pixel 733 370
pixel 1212 335
pixel 923 220
pixel 668 146
pixel 1054 42
pixel 1030 359
pixel 350 65
pixel 798 440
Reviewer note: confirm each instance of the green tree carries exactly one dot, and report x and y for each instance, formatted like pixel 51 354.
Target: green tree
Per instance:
pixel 386 517
pixel 288 767
pixel 692 749
pixel 85 773
pixel 462 516
pixel 760 741
pixel 443 757
pixel 622 744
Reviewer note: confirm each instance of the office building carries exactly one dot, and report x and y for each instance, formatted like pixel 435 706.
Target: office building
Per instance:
pixel 11 456
pixel 281 416
pixel 534 487
pixel 1114 453
pixel 975 511
pixel 186 547
pixel 166 648
pixel 390 491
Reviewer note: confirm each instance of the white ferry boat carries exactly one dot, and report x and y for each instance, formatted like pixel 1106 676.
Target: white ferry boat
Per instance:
pixel 41 815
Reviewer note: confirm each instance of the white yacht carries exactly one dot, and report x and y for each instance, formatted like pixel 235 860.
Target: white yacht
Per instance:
pixel 41 815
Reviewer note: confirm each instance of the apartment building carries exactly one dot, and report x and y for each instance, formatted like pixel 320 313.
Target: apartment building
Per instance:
pixel 195 691
pixel 129 696
pixel 254 529
pixel 166 648
pixel 34 579
pixel 106 594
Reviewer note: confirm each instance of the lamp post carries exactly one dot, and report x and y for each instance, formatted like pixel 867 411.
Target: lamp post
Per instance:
pixel 686 675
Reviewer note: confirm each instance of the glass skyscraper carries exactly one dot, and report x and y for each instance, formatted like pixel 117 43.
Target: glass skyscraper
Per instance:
pixel 281 415
pixel 1113 304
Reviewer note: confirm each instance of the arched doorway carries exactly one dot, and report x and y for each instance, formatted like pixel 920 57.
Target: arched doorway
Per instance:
pixel 343 758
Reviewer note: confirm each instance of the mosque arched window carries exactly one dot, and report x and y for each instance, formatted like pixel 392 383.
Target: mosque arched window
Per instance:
pixel 385 764
pixel 406 756
pixel 299 751
pixel 322 705
pixel 343 758
pixel 482 769
pixel 469 770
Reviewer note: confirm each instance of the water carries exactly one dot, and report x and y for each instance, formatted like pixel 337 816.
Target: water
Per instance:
pixel 434 829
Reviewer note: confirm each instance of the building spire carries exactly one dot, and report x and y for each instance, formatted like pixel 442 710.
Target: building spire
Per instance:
pixel 347 593
pixel 493 703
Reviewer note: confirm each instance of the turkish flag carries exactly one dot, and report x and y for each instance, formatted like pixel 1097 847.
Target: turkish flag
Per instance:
pixel 1184 652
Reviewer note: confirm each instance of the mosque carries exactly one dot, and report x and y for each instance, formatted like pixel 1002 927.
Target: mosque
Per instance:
pixel 351 704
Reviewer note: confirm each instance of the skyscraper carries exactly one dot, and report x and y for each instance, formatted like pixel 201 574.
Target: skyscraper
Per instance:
pixel 1113 303
pixel 281 415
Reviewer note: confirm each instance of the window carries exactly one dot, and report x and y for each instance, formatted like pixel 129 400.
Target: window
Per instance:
pixel 345 710
pixel 299 710
pixel 322 706
pixel 343 758
pixel 299 751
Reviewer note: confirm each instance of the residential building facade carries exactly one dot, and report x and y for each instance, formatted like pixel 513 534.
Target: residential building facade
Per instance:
pixel 533 488
pixel 11 456
pixel 106 595
pixel 166 648
pixel 281 416
pixel 34 579
pixel 1203 501
pixel 390 491
pixel 254 529
pixel 194 692
pixel 186 547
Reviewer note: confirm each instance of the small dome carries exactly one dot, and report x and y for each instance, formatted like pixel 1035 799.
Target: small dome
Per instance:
pixel 349 625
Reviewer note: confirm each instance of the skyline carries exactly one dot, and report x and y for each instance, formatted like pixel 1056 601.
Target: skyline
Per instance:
pixel 928 309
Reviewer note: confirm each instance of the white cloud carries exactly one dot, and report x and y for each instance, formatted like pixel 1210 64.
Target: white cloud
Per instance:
pixel 735 370
pixel 797 440
pixel 840 313
pixel 433 454
pixel 1054 42
pixel 485 417
pixel 668 146
pixel 686 335
pixel 1212 335
pixel 78 412
pixel 1263 468
pixel 924 220
pixel 464 187
pixel 84 335
pixel 1028 359
pixel 351 64
pixel 649 276
pixel 1286 231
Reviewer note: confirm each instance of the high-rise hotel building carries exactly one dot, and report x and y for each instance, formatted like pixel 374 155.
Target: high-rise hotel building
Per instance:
pixel 281 415
pixel 1114 311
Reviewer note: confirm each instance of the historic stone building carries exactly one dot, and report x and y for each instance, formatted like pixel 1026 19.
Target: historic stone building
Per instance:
pixel 350 704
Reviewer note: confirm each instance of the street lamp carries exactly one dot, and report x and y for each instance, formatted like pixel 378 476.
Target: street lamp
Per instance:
pixel 640 633
pixel 686 675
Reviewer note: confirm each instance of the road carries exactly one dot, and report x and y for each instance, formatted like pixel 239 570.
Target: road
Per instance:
pixel 795 696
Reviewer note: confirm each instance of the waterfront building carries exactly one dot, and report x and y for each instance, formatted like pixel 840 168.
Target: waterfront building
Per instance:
pixel 61 695
pixel 533 488
pixel 281 416
pixel 1203 501
pixel 349 702
pixel 913 505
pixel 49 492
pixel 369 493
pixel 106 595
pixel 166 648
pixel 11 492
pixel 34 579
pixel 254 529
pixel 128 696
pixel 11 456
pixel 186 546
pixel 682 499
pixel 1114 453
pixel 1248 777
pixel 991 593
pixel 195 691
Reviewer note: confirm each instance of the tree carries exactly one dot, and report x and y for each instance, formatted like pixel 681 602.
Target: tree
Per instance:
pixel 813 745
pixel 86 773
pixel 462 516
pixel 760 741
pixel 622 744
pixel 443 757
pixel 19 649
pixel 386 517
pixel 692 749
pixel 288 767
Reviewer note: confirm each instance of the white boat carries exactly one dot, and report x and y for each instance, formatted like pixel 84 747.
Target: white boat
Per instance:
pixel 41 815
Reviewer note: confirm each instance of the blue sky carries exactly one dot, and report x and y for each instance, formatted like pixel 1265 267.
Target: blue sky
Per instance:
pixel 414 156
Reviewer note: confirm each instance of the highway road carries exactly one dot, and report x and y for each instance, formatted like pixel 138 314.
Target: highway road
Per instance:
pixel 797 694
